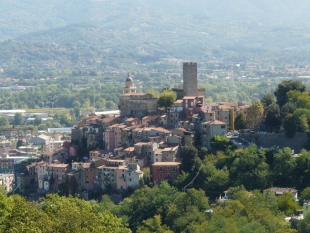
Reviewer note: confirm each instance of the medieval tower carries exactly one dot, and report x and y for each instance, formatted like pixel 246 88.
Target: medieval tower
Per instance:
pixel 190 86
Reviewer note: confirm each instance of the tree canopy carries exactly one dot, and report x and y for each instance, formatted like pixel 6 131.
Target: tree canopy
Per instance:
pixel 240 121
pixel 284 87
pixel 255 114
pixel 166 99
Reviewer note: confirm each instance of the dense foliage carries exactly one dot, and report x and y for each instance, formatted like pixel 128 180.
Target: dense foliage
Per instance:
pixel 56 214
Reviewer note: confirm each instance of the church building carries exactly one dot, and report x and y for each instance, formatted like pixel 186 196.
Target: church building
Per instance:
pixel 135 104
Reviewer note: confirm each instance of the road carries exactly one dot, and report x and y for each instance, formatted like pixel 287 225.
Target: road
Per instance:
pixel 239 143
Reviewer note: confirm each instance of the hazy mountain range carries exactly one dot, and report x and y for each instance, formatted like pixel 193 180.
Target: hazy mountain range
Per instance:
pixel 182 28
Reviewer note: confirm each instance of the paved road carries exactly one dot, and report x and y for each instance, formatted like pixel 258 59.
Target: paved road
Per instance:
pixel 240 143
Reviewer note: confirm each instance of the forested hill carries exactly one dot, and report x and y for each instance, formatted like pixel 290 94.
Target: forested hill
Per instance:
pixel 133 32
pixel 21 17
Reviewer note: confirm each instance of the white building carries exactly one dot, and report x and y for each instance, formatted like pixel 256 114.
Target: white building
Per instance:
pixel 6 180
pixel 40 140
pixel 134 174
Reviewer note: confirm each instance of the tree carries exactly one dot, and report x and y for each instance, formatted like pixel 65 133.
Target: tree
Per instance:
pixel 284 165
pixel 18 119
pixel 141 182
pixel 65 119
pixel 111 105
pixel 300 99
pixel 287 204
pixel 267 100
pixel 154 93
pixel 202 153
pixel 255 114
pixel 288 108
pixel 240 121
pixel 4 122
pixel 286 86
pixel 37 121
pixel 166 99
pixel 304 225
pixel 273 116
pixel 100 104
pixel 290 125
pixel 305 195
pixel 220 142
pixel 19 143
pixel 250 169
pixel 153 225
pixel 189 155
pixel 76 104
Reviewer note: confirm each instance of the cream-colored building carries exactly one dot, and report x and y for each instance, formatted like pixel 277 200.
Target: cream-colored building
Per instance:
pixel 136 104
pixel 210 129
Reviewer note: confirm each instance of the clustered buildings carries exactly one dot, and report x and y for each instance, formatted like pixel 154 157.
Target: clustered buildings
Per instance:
pixel 141 143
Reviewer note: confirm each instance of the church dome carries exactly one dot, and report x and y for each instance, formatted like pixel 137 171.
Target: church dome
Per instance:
pixel 129 79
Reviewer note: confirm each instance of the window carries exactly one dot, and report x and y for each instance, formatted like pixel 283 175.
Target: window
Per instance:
pixel 156 160
pixel 168 167
pixel 160 168
pixel 160 175
pixel 129 174
pixel 129 179
pixel 173 169
pixel 174 175
pixel 222 126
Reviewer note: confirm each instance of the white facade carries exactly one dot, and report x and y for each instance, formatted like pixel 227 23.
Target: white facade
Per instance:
pixel 6 180
pixel 134 174
pixel 40 140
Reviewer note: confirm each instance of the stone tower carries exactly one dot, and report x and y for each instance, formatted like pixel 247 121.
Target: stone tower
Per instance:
pixel 190 86
pixel 129 86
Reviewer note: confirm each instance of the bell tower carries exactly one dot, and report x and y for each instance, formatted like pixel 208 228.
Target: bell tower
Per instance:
pixel 129 86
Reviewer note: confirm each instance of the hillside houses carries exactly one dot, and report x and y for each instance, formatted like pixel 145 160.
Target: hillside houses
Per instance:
pixel 117 152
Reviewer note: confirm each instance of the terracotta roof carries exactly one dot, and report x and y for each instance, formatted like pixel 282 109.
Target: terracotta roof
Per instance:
pixel 279 190
pixel 58 165
pixel 129 149
pixel 215 122
pixel 178 102
pixel 158 151
pixel 166 164
pixel 101 151
pixel 131 119
pixel 184 130
pixel 171 148
pixel 208 111
pixel 107 119
pixel 133 94
pixel 227 104
pixel 160 129
pixel 191 97
pixel 244 107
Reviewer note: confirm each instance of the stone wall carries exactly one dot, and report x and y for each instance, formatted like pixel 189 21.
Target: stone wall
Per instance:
pixel 279 139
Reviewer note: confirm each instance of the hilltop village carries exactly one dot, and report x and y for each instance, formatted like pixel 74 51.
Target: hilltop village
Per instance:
pixel 140 145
